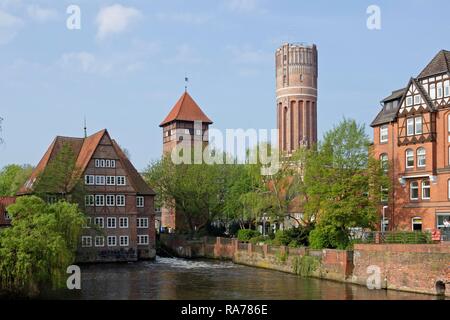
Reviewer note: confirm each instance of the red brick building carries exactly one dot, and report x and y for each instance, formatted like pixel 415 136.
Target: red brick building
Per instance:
pixel 4 217
pixel 185 124
pixel 412 139
pixel 118 202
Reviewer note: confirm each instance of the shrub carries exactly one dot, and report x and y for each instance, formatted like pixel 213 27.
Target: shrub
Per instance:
pixel 247 234
pixel 328 237
pixel 258 239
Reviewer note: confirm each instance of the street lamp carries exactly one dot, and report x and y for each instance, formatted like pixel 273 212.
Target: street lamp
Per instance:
pixel 383 225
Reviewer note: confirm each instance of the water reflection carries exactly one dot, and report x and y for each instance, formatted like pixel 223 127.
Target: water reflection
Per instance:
pixel 170 278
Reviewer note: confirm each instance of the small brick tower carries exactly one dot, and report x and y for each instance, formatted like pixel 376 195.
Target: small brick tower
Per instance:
pixel 296 92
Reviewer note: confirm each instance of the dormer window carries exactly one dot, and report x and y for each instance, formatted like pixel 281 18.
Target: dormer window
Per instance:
pixel 409 101
pixel 417 99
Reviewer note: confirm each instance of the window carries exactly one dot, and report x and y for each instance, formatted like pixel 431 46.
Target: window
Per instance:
pixel 120 201
pixel 441 218
pixel 102 163
pixel 416 224
pixel 99 200
pixel 409 158
pixel 113 163
pixel 86 241
pixel 139 202
pixel 142 223
pixel 110 200
pixel 409 101
pixel 89 180
pixel 421 157
pixel 447 88
pixel 410 126
pixel 88 223
pixel 112 241
pixel 110 180
pixel 384 135
pixel 384 194
pixel 97 163
pixel 100 222
pixel 384 162
pixel 433 91
pixel 111 223
pixel 186 131
pixel 123 241
pixel 142 239
pixel 89 200
pixel 123 223
pixel 198 132
pixel 108 163
pixel 448 189
pixel 100 180
pixel 418 125
pixel 120 181
pixel 414 190
pixel 426 189
pixel 99 241
pixel 439 90
pixel 417 99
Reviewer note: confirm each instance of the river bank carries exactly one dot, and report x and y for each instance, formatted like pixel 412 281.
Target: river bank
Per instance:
pixel 410 268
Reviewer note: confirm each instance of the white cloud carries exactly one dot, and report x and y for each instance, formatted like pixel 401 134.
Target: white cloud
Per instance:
pixel 185 54
pixel 115 19
pixel 183 17
pixel 242 6
pixel 9 26
pixel 40 14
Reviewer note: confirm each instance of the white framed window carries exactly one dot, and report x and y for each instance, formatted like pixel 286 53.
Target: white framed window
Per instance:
pixel 123 222
pixel 416 223
pixel 441 218
pixel 100 222
pixel 99 200
pixel 113 163
pixel 97 163
pixel 102 163
pixel 100 180
pixel 439 90
pixel 384 134
pixel 426 190
pixel 186 131
pixel 142 223
pixel 418 124
pixel 417 99
pixel 120 201
pixel 409 101
pixel 142 239
pixel 410 127
pixel 432 91
pixel 421 157
pixel 111 223
pixel 414 190
pixel 99 241
pixel 89 200
pixel 112 241
pixel 140 202
pixel 88 223
pixel 198 132
pixel 89 179
pixel 108 163
pixel 110 200
pixel 123 241
pixel 120 180
pixel 409 158
pixel 384 162
pixel 86 241
pixel 447 88
pixel 110 180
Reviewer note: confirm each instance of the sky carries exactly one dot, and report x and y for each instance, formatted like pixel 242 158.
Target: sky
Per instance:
pixel 124 68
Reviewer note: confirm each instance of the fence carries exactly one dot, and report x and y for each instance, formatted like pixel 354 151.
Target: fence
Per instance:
pixel 413 237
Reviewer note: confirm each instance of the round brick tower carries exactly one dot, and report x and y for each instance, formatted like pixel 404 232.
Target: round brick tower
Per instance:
pixel 296 91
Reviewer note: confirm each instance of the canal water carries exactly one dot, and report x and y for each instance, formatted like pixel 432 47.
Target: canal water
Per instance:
pixel 172 278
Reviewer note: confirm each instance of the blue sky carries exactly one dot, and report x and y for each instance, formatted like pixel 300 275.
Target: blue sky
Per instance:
pixel 124 69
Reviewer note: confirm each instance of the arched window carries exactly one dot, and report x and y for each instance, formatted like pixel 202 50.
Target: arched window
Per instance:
pixel 414 190
pixel 384 161
pixel 421 157
pixel 409 158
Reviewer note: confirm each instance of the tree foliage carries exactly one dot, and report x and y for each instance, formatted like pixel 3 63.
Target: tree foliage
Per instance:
pixel 39 246
pixel 12 177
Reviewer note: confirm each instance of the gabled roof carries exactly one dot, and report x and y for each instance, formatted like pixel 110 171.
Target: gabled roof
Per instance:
pixel 439 64
pixel 422 92
pixel 84 149
pixel 186 109
pixel 397 94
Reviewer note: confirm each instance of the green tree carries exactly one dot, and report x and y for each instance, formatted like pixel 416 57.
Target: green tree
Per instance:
pixel 39 246
pixel 12 177
pixel 343 184
pixel 61 178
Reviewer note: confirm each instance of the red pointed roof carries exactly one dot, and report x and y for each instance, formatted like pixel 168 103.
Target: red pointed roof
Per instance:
pixel 186 109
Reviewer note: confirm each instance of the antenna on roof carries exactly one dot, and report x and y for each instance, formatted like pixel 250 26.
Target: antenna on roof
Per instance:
pixel 85 128
pixel 186 80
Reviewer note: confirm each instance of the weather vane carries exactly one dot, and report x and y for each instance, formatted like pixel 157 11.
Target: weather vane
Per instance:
pixel 186 80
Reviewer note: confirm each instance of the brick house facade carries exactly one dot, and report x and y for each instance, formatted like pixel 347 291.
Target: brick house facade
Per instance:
pixel 118 203
pixel 412 140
